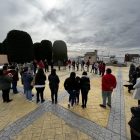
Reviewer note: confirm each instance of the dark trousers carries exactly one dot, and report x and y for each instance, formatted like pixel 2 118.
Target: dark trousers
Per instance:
pixel 14 86
pixel 5 95
pixel 103 73
pixel 138 102
pixel 84 96
pixel 77 97
pixel 133 136
pixel 54 92
pixel 72 96
pixel 96 71
pixel 40 93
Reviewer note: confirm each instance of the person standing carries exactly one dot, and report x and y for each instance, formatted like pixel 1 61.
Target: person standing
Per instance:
pixel 69 64
pixel 27 78
pixel 40 79
pixel 96 67
pixel 35 66
pixel 5 85
pixel 78 79
pixel 14 71
pixel 88 64
pixel 70 87
pixel 82 65
pixel 136 94
pixel 108 84
pixel 85 87
pixel 54 85
pixel 46 65
pixel 103 68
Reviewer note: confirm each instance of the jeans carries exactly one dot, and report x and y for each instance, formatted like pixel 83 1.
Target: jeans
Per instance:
pixel 105 95
pixel 5 94
pixel 84 93
pixel 28 94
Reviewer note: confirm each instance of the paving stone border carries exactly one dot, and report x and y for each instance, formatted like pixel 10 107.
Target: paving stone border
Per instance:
pixel 23 122
pixel 116 121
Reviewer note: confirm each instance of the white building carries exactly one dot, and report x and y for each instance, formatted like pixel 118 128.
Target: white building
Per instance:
pixel 91 56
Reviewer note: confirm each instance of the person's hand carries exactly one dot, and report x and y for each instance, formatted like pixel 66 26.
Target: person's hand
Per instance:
pixel 111 88
pixel 10 75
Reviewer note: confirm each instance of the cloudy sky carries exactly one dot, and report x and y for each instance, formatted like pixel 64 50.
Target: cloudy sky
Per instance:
pixel 110 26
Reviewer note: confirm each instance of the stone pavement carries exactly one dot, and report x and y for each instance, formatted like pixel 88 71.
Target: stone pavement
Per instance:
pixel 24 120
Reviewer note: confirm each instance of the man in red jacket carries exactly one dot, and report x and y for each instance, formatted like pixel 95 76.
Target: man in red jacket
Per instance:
pixel 108 84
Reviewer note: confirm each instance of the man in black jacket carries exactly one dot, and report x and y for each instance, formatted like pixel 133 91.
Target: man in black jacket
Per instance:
pixel 85 87
pixel 70 87
pixel 53 84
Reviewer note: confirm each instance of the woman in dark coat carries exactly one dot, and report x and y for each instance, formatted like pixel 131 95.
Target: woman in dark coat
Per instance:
pixel 85 87
pixel 70 87
pixel 40 79
pixel 5 85
pixel 53 84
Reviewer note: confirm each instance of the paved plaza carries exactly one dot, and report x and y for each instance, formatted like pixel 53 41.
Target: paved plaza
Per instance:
pixel 24 120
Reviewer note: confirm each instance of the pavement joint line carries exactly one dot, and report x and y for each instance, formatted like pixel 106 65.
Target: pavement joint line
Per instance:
pixel 24 121
pixel 87 126
pixel 116 120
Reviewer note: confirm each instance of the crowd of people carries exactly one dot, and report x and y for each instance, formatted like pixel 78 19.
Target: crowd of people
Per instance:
pixel 96 67
pixel 33 75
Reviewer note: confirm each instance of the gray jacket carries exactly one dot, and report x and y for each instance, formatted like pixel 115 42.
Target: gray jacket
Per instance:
pixel 5 82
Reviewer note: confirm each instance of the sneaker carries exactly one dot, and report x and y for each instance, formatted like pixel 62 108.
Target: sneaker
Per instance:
pixel 30 100
pixel 109 105
pixel 103 106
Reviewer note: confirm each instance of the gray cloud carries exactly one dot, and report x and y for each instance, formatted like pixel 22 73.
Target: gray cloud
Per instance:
pixel 85 25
